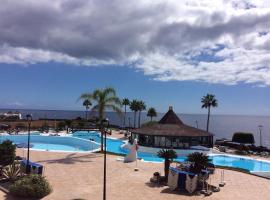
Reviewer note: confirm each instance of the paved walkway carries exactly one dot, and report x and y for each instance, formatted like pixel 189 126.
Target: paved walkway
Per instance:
pixel 79 176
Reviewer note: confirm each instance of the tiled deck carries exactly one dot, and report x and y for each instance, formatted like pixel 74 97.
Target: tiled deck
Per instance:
pixel 80 176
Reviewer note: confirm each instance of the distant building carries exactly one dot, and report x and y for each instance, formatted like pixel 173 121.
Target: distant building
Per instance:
pixel 171 132
pixel 11 115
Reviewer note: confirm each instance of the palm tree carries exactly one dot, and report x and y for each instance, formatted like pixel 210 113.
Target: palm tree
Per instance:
pixel 125 103
pixel 168 155
pixel 104 99
pixel 135 107
pixel 86 103
pixel 142 107
pixel 208 101
pixel 199 160
pixel 151 113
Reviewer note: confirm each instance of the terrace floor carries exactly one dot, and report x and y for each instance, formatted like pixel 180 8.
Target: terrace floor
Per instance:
pixel 79 176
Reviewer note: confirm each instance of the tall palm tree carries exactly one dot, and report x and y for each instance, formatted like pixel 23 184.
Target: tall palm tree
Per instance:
pixel 151 113
pixel 125 103
pixel 86 103
pixel 142 107
pixel 134 106
pixel 168 155
pixel 208 101
pixel 104 99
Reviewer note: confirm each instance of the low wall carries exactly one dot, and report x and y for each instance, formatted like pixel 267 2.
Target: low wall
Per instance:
pixel 265 174
pixel 180 152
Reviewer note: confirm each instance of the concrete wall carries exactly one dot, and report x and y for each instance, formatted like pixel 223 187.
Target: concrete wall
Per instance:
pixel 180 152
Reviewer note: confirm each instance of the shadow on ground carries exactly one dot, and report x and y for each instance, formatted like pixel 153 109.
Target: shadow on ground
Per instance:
pixel 153 185
pixel 167 190
pixel 72 159
pixel 178 192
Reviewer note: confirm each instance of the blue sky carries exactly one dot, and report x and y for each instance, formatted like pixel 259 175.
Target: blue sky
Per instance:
pixel 165 52
pixel 57 86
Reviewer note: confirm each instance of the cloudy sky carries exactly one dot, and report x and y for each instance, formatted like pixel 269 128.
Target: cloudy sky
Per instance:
pixel 164 52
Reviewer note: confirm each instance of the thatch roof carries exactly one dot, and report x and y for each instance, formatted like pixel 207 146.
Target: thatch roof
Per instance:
pixel 171 125
pixel 170 118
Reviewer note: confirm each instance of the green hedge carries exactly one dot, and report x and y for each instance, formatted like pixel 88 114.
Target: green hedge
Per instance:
pixel 149 123
pixel 7 153
pixel 31 186
pixel 244 138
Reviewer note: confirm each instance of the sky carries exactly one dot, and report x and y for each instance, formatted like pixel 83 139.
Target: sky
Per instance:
pixel 162 52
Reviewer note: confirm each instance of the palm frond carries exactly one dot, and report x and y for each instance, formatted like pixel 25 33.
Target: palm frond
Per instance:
pixel 125 102
pixel 95 108
pixel 114 100
pixel 96 94
pixel 115 108
pixel 109 90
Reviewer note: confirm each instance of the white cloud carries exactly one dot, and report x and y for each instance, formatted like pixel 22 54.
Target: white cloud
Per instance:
pixel 226 42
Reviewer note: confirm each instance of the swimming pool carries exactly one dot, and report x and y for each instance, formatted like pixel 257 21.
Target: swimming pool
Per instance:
pixel 54 143
pixel 114 146
pixel 85 142
pixel 240 162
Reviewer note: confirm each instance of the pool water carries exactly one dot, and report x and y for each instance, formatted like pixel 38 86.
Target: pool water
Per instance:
pixel 53 143
pixel 114 146
pixel 238 162
pixel 56 147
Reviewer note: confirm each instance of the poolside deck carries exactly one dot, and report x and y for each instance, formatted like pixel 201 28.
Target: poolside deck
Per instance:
pixel 79 176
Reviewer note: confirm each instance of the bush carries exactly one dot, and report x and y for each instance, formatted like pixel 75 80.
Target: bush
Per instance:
pixel 61 126
pixel 31 186
pixel 21 126
pixel 12 172
pixel 149 123
pixel 7 153
pixel 199 161
pixel 244 138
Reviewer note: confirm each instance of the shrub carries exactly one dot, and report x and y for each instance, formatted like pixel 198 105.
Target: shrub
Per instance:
pixel 149 123
pixel 12 172
pixel 200 161
pixel 7 153
pixel 21 126
pixel 31 186
pixel 245 138
pixel 61 126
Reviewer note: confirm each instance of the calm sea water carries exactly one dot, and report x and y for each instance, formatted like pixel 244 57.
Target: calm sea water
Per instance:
pixel 223 126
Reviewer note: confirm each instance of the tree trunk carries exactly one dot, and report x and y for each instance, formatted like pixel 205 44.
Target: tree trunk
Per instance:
pixel 135 119
pixel 86 113
pixel 166 168
pixel 208 117
pixel 102 138
pixel 101 129
pixel 125 116
pixel 139 120
pixel 151 118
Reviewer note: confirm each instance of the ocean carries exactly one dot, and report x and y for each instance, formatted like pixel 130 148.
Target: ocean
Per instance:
pixel 223 126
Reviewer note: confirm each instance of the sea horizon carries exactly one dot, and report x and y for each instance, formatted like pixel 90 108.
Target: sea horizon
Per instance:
pixel 178 113
pixel 221 125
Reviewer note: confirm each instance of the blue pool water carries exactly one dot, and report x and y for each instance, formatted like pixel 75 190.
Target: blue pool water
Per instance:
pixel 56 147
pixel 238 162
pixel 114 146
pixel 53 143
